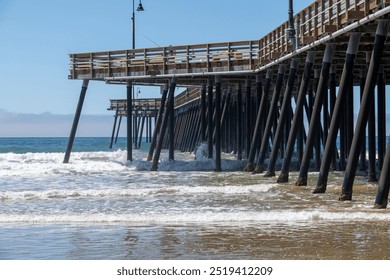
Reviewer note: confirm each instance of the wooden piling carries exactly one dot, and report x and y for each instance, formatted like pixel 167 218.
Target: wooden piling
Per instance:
pixel 76 119
pixel 314 129
pixel 367 100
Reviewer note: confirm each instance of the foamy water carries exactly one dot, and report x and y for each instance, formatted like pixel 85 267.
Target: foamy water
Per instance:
pixel 100 192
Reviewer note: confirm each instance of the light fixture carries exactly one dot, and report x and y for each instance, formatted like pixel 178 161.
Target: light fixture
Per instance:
pixel 140 8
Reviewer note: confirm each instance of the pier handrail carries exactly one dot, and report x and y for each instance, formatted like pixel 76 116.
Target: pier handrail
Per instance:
pixel 321 18
pixel 140 105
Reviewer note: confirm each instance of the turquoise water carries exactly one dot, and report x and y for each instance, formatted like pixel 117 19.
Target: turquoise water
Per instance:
pixel 58 144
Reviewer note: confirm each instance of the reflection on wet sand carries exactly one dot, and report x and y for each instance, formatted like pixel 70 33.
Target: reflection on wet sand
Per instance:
pixel 337 240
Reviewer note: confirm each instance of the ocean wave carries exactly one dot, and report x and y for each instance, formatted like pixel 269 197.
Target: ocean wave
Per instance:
pixel 241 218
pixel 121 193
pixel 51 164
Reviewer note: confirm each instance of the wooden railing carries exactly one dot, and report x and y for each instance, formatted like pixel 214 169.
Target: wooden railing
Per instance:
pixel 141 105
pixel 241 55
pixel 320 18
pixel 187 96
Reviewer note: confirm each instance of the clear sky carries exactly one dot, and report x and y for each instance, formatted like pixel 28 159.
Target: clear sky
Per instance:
pixel 38 35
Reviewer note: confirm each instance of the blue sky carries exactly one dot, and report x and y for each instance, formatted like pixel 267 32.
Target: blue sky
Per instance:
pixel 37 37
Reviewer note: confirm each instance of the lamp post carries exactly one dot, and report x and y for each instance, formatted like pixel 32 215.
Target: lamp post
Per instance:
pixel 290 32
pixel 139 9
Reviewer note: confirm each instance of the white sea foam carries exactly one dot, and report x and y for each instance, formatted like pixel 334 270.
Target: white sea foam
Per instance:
pixel 103 187
pixel 242 218
pixel 112 193
pixel 49 164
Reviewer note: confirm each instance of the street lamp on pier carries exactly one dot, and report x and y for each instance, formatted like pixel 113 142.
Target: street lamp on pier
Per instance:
pixel 290 32
pixel 140 8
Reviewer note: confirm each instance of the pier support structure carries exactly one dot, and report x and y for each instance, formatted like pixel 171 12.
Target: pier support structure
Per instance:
pixel 270 119
pixel 314 130
pixel 239 122
pixel 218 167
pixel 129 96
pixel 367 100
pixel 158 122
pixel 113 129
pixel 164 124
pixel 210 117
pixel 346 79
pixel 259 126
pixel 285 110
pixel 297 119
pixel 76 120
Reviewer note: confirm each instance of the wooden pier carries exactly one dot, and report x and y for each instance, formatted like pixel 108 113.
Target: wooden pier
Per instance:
pixel 290 91
pixel 144 113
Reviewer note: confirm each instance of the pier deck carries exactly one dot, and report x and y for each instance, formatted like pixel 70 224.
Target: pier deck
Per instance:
pixel 321 22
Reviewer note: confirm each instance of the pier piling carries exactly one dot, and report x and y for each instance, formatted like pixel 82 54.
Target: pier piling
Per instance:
pixel 368 98
pixel 285 110
pixel 218 167
pixel 76 120
pixel 129 93
pixel 346 78
pixel 259 126
pixel 314 129
pixel 270 119
pixel 296 126
pixel 158 122
pixel 164 124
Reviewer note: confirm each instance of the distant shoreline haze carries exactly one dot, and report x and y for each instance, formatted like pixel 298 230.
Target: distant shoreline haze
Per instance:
pixel 53 125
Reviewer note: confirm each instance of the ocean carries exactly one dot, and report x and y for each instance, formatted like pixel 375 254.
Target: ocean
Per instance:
pixel 101 207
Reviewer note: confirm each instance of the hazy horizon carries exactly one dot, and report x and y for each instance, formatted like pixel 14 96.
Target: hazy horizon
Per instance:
pixel 54 125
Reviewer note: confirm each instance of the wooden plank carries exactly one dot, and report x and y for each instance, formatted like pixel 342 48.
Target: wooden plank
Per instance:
pixel 308 39
pixel 355 15
pixel 329 28
pixel 276 55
